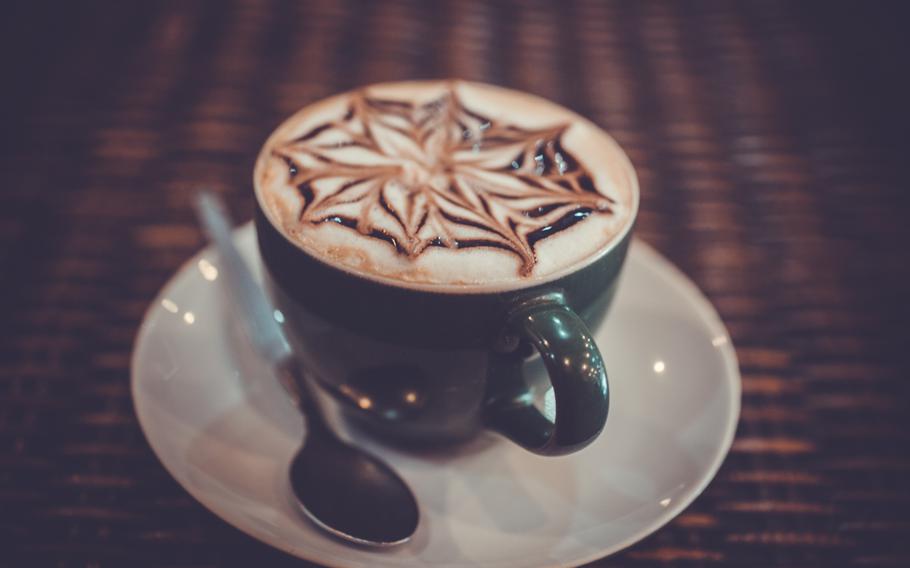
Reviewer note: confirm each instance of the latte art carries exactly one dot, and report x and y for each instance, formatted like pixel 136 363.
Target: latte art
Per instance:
pixel 382 180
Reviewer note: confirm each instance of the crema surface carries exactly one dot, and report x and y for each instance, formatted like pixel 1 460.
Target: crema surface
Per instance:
pixel 446 184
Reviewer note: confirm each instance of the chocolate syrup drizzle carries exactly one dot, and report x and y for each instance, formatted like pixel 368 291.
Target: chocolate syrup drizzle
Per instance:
pixel 438 174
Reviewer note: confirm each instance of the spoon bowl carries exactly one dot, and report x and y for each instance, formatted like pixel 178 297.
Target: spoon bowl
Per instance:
pixel 351 494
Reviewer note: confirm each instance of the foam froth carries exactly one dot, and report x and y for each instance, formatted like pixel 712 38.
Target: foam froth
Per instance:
pixel 446 183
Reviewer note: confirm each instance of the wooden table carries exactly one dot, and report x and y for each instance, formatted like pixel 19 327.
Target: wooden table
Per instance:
pixel 771 141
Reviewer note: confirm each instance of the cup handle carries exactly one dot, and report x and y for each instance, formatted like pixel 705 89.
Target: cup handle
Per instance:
pixel 576 372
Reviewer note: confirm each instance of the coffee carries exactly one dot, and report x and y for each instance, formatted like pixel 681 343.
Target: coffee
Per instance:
pixel 446 184
pixel 438 231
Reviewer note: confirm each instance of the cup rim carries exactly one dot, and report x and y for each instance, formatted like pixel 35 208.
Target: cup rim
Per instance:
pixel 448 288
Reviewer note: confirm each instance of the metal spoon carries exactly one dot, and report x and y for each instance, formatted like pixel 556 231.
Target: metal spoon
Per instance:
pixel 343 489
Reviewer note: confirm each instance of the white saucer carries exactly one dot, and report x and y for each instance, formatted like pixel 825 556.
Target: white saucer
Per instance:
pixel 226 433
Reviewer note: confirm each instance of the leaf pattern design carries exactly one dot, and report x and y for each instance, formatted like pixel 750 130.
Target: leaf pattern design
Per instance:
pixel 438 174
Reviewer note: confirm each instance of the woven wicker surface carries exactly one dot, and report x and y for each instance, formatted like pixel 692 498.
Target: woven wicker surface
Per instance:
pixel 769 142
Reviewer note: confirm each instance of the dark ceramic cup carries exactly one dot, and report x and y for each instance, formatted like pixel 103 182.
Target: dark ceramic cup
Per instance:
pixel 429 367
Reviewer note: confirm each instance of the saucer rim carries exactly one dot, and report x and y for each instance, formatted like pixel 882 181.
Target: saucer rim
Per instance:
pixel 663 268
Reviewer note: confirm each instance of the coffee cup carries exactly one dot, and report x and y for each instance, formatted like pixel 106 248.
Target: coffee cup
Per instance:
pixel 425 240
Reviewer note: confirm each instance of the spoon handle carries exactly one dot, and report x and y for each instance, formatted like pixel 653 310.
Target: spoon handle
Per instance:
pixel 259 318
pixel 294 379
